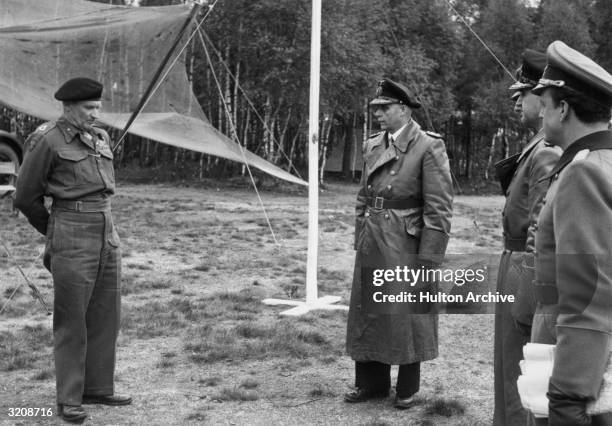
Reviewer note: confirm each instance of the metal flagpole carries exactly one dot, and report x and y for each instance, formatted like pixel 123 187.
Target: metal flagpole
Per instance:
pixel 313 155
pixel 312 299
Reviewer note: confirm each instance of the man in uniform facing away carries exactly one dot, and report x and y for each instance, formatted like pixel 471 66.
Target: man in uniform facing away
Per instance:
pixel 70 160
pixel 524 172
pixel 573 264
pixel 403 214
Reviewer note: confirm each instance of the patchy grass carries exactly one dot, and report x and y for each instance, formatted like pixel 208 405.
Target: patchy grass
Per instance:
pixel 196 417
pixel 24 349
pixel 282 338
pixel 197 264
pixel 444 407
pixel 249 384
pixel 210 381
pixel 321 390
pixel 45 374
pixel 235 394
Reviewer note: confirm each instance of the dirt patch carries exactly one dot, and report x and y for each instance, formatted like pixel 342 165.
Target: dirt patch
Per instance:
pixel 197 346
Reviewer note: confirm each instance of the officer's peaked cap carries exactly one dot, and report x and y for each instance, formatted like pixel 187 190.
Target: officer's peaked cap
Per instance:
pixel 79 89
pixel 566 67
pixel 530 71
pixel 391 92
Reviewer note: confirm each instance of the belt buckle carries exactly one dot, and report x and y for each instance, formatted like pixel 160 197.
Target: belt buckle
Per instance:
pixel 378 205
pixel 78 205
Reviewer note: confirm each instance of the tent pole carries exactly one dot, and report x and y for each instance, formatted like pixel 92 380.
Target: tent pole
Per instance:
pixel 144 98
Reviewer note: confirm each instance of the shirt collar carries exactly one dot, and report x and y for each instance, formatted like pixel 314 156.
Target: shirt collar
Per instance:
pixel 396 134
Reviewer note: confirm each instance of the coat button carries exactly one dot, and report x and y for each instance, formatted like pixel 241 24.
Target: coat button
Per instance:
pixel 397 157
pixel 388 186
pixel 393 172
pixel 367 214
pixel 386 215
pixel 369 186
pixel 544 200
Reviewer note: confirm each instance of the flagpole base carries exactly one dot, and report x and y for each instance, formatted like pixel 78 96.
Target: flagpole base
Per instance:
pixel 301 308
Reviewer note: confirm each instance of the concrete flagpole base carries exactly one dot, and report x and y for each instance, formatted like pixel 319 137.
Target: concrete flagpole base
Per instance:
pixel 301 308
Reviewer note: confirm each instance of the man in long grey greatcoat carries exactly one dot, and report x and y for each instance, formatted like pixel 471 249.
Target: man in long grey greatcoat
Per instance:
pixel 521 176
pixel 404 208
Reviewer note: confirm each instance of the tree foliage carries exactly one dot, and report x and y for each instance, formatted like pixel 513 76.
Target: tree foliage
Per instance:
pixel 258 51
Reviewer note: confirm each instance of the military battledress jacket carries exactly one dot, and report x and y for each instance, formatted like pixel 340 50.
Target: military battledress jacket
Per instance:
pixel 574 276
pixel 66 164
pixel 415 166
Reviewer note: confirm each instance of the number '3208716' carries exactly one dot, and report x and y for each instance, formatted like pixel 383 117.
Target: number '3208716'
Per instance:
pixel 29 412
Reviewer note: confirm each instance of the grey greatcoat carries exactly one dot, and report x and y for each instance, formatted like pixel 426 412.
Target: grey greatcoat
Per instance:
pixel 415 166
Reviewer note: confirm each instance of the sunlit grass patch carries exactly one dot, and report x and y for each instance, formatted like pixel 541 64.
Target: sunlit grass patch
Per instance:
pixel 235 394
pixel 25 348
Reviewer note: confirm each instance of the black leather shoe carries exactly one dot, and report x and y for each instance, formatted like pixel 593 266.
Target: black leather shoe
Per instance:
pixel 362 395
pixel 107 399
pixel 71 413
pixel 403 403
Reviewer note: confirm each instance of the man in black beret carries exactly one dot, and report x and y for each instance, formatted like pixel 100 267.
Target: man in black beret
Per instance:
pixel 573 242
pixel 71 161
pixel 403 214
pixel 521 176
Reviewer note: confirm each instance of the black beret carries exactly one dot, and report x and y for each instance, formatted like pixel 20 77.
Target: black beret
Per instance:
pixel 530 71
pixel 391 92
pixel 569 68
pixel 79 89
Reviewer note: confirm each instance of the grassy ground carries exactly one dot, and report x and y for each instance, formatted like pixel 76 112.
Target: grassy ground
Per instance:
pixel 197 346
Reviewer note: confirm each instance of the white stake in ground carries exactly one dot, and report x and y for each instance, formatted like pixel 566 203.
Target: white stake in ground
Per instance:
pixel 312 300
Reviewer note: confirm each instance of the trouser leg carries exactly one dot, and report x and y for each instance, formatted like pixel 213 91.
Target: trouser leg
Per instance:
pixel 408 380
pixel 508 352
pixel 74 265
pixel 103 315
pixel 373 375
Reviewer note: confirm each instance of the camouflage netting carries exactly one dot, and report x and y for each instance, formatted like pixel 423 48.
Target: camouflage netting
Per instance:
pixel 45 42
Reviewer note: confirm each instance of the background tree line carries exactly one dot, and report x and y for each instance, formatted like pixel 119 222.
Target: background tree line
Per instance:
pixel 261 48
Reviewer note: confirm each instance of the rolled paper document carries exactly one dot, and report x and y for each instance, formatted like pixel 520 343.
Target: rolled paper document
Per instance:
pixel 536 369
pixel 538 351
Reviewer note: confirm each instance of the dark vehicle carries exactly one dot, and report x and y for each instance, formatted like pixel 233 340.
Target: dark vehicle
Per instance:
pixel 11 156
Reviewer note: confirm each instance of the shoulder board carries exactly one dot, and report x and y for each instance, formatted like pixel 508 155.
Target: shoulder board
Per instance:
pixel 44 128
pixel 373 135
pixel 434 135
pixel 37 134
